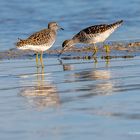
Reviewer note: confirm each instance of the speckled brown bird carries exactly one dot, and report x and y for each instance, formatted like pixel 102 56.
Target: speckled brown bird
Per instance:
pixel 92 35
pixel 40 41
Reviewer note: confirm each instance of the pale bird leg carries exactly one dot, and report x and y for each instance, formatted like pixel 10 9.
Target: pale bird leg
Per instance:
pixel 37 60
pixel 41 60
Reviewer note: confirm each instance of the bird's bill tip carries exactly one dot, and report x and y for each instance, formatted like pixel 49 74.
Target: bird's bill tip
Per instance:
pixel 61 28
pixel 60 54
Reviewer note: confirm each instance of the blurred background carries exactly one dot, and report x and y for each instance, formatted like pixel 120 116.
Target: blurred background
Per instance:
pixel 22 18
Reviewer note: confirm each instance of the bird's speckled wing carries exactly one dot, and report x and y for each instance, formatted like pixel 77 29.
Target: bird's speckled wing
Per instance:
pixel 92 31
pixel 95 30
pixel 42 37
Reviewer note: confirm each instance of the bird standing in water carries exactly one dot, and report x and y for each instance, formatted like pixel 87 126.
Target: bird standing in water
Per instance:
pixel 92 35
pixel 40 41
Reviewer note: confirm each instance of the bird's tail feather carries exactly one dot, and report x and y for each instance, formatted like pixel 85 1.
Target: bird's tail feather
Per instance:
pixel 118 23
pixel 20 43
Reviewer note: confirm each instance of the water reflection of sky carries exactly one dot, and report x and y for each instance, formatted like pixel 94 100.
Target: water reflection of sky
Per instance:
pixel 70 98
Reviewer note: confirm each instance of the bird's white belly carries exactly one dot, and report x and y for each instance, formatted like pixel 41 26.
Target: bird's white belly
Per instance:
pixel 101 37
pixel 38 48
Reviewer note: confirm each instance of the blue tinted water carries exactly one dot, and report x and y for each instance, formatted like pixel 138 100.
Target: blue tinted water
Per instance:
pixel 21 18
pixel 69 99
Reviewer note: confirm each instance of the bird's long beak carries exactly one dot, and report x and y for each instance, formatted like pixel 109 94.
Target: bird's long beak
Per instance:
pixel 61 52
pixel 61 28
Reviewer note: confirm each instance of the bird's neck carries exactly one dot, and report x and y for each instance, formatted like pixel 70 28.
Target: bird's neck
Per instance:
pixel 74 41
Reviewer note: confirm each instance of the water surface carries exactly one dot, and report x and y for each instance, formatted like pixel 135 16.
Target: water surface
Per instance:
pixel 69 99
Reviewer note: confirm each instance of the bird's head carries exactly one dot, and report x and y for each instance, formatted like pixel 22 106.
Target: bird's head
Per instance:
pixel 54 26
pixel 67 43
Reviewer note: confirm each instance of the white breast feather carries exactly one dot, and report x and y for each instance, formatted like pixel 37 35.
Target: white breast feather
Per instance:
pixel 38 48
pixel 101 37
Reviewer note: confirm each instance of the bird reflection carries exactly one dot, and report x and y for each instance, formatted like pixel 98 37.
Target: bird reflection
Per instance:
pixel 66 67
pixel 100 83
pixel 93 75
pixel 41 94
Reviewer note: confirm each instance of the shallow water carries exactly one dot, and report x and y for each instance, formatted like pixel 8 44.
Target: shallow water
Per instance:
pixel 69 99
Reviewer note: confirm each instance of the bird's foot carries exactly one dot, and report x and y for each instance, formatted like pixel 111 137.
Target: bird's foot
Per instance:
pixel 89 48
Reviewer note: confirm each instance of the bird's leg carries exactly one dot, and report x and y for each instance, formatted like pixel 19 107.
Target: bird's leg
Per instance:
pixel 41 60
pixel 37 60
pixel 95 50
pixel 107 49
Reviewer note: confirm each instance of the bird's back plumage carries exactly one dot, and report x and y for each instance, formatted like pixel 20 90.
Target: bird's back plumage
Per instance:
pixel 40 41
pixel 42 37
pixel 93 34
